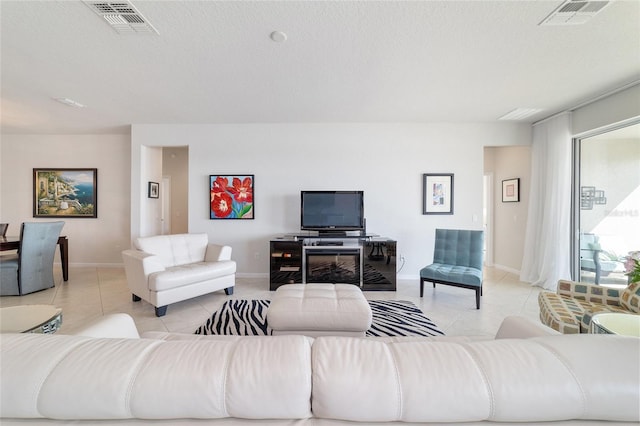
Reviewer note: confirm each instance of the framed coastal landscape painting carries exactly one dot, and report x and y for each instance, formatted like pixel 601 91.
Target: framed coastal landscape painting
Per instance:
pixel 65 193
pixel 231 197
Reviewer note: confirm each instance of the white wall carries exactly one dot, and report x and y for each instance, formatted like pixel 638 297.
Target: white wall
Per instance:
pixel 151 208
pixel 91 241
pixel 385 160
pixel 510 219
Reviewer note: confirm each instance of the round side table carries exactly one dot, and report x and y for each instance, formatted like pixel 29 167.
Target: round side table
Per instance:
pixel 30 319
pixel 616 323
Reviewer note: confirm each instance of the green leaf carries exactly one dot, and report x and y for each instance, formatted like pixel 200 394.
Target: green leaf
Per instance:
pixel 245 209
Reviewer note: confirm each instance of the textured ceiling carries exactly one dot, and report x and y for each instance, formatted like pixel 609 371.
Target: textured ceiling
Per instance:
pixel 343 61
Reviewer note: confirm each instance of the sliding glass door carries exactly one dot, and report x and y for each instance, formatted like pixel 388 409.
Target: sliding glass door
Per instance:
pixel 606 205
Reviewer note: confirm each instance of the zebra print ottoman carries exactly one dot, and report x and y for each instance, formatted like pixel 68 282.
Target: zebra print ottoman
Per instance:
pixel 319 310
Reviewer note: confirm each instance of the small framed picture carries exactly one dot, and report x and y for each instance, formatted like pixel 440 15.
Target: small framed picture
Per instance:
pixel 511 190
pixel 154 190
pixel 437 193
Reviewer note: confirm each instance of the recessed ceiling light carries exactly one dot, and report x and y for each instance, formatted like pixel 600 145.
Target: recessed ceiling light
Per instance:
pixel 278 36
pixel 70 102
pixel 520 114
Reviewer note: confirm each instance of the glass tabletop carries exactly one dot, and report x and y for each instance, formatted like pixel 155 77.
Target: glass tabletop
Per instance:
pixel 30 318
pixel 616 323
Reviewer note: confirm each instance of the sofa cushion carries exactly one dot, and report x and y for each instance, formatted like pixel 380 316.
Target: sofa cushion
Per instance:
pixel 177 249
pixel 249 378
pixel 508 380
pixel 589 292
pixel 178 276
pixel 569 315
pixel 454 273
pixel 630 298
pixel 593 310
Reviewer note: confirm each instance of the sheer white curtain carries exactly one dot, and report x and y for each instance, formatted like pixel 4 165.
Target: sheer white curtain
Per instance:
pixel 547 241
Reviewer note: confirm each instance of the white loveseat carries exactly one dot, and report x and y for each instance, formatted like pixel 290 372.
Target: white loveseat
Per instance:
pixel 165 269
pixel 524 375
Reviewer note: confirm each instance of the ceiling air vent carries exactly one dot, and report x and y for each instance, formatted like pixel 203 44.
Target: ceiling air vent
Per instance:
pixel 573 12
pixel 122 16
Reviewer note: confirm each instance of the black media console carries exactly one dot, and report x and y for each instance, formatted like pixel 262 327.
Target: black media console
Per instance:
pixel 366 261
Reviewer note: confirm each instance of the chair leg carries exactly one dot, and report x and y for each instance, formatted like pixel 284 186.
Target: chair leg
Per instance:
pixel 421 287
pixel 228 291
pixel 135 298
pixel 161 310
pixel 478 293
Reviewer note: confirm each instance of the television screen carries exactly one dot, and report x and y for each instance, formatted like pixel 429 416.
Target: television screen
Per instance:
pixel 332 210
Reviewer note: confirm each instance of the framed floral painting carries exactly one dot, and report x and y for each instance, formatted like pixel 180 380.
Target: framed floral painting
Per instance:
pixel 231 196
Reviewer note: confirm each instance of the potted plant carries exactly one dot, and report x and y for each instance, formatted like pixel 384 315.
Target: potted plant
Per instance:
pixel 632 266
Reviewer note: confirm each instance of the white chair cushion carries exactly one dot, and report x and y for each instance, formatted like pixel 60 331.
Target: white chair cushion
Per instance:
pixel 188 274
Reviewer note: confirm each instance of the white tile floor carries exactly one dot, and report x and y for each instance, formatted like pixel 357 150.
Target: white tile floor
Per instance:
pixel 93 292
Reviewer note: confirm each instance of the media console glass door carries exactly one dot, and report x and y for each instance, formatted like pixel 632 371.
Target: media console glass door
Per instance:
pixel 333 265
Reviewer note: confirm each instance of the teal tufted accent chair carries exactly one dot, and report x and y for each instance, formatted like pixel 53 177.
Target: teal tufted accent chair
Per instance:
pixel 457 260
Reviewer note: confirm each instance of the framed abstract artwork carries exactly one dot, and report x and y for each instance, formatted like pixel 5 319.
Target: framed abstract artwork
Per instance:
pixel 65 193
pixel 511 190
pixel 153 190
pixel 437 193
pixel 231 197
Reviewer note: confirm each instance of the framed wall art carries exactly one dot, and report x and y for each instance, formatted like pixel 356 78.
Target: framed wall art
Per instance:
pixel 437 193
pixel 65 193
pixel 511 190
pixel 154 190
pixel 231 197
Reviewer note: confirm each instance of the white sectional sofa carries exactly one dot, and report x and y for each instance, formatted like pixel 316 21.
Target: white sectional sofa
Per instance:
pixel 525 375
pixel 165 269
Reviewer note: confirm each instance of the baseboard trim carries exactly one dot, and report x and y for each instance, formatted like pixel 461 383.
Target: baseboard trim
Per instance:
pixel 252 275
pixel 91 265
pixel 506 269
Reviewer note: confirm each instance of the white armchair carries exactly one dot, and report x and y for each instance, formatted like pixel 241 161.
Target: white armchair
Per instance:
pixel 165 269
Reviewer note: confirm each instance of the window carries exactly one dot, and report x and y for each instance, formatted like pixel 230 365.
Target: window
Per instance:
pixel 606 204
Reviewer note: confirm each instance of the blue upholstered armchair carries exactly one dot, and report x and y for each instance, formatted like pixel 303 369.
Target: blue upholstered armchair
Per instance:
pixel 31 269
pixel 457 260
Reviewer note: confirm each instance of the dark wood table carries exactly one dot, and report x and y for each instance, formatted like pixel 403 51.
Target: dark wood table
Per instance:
pixel 13 243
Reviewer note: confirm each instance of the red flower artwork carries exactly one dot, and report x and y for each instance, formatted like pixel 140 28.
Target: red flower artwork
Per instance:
pixel 221 204
pixel 233 201
pixel 220 184
pixel 241 190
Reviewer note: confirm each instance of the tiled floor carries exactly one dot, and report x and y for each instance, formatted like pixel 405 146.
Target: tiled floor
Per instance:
pixel 93 292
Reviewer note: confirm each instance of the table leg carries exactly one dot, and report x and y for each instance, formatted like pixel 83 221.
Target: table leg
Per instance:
pixel 64 257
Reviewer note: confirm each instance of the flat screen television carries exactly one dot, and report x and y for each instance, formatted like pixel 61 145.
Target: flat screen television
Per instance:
pixel 332 211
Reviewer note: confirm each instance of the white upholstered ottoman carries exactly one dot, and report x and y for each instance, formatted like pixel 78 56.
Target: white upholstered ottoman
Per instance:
pixel 319 310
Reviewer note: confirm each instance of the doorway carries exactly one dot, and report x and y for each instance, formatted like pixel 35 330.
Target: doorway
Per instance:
pixel 487 217
pixel 165 218
pixel 175 190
